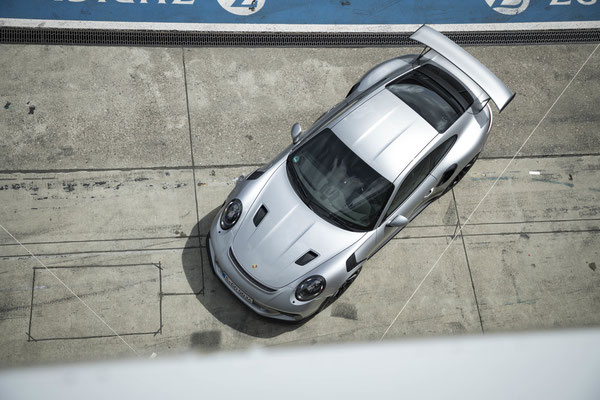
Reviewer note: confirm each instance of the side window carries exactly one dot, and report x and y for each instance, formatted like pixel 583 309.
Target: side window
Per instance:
pixel 410 183
pixel 440 152
pixel 419 173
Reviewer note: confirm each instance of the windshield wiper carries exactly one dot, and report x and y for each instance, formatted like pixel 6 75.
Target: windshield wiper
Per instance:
pixel 346 224
pixel 334 218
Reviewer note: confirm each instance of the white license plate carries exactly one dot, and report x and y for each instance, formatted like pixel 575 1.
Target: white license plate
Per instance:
pixel 237 289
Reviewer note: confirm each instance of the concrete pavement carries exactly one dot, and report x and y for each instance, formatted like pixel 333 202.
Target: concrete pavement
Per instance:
pixel 112 180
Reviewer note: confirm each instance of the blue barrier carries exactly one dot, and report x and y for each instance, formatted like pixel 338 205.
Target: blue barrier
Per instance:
pixel 312 12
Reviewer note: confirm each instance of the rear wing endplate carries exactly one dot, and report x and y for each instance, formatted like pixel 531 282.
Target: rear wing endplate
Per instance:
pixel 483 77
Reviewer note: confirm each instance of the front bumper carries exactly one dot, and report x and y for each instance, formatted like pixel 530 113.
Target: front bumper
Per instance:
pixel 273 305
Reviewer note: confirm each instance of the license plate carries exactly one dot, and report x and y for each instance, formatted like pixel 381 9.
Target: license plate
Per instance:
pixel 237 289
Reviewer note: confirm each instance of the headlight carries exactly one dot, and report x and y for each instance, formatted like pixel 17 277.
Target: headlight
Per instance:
pixel 310 288
pixel 231 214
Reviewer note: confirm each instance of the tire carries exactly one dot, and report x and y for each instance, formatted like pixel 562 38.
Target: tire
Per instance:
pixel 342 289
pixel 346 284
pixel 461 174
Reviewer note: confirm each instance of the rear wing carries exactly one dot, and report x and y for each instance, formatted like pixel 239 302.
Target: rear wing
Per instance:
pixel 483 77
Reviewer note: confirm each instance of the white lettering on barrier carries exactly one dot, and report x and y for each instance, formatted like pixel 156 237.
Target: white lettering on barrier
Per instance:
pixel 568 2
pixel 242 7
pixel 248 7
pixel 187 2
pixel 508 7
pixel 513 7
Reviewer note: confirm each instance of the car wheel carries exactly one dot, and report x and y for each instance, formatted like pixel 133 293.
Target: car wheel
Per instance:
pixel 346 284
pixel 462 173
pixel 331 299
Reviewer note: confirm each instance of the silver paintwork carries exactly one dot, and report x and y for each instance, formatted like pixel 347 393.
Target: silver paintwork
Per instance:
pixel 385 133
pixel 382 70
pixel 288 231
pixel 390 137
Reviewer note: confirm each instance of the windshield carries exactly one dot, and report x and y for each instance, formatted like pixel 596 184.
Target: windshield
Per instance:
pixel 336 184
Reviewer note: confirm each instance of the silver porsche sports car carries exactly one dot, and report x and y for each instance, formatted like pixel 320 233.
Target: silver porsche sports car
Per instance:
pixel 293 235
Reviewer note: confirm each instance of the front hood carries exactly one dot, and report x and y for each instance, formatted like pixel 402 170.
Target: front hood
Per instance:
pixel 269 252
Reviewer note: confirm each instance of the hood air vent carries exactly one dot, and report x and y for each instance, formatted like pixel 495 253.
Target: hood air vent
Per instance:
pixel 308 257
pixel 260 214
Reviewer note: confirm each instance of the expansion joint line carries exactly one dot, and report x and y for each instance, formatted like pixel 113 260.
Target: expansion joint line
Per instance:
pixel 486 194
pixel 69 289
pixel 189 119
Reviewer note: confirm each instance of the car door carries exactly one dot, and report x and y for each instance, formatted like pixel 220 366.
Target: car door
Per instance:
pixel 417 190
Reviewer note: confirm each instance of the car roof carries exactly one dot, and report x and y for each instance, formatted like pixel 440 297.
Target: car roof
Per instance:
pixel 385 133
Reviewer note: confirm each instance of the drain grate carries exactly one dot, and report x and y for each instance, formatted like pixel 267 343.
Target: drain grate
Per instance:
pixel 279 39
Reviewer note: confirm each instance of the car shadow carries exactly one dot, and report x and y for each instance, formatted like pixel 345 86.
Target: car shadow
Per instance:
pixel 215 297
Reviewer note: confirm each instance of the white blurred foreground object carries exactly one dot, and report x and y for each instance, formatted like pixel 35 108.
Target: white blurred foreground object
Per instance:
pixel 550 365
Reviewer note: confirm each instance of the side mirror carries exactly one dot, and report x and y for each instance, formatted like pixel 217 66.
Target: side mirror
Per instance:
pixel 296 131
pixel 399 222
